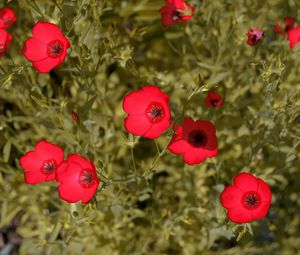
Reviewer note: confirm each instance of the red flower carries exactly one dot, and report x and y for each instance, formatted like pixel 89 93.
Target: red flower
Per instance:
pixel 47 48
pixel 148 112
pixel 40 165
pixel 248 199
pixel 176 11
pixel 75 116
pixel 294 36
pixel 213 99
pixel 5 39
pixel 196 140
pixel 7 17
pixel 254 36
pixel 77 178
pixel 289 23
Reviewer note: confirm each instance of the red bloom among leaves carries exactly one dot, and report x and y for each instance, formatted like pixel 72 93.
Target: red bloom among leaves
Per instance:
pixel 254 36
pixel 40 165
pixel 148 112
pixel 213 99
pixel 196 140
pixel 5 39
pixel 176 11
pixel 7 17
pixel 248 199
pixel 47 48
pixel 289 23
pixel 294 36
pixel 77 178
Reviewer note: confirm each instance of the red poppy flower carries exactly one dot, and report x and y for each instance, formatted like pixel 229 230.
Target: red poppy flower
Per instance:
pixel 176 11
pixel 254 36
pixel 40 164
pixel 289 23
pixel 196 140
pixel 148 112
pixel 47 48
pixel 248 199
pixel 77 178
pixel 294 36
pixel 5 39
pixel 7 17
pixel 213 99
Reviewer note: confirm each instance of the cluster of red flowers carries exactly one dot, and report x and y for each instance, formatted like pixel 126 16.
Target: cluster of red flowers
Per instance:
pixel 76 175
pixel 7 19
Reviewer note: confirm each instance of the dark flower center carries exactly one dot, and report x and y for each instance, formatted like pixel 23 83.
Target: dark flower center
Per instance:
pixel 55 49
pixel 176 16
pixel 49 166
pixel 215 102
pixel 251 200
pixel 197 138
pixel 155 112
pixel 87 178
pixel 7 21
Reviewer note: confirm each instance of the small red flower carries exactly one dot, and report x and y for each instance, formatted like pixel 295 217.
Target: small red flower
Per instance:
pixel 40 164
pixel 5 39
pixel 289 23
pixel 75 116
pixel 176 11
pixel 213 99
pixel 196 140
pixel 248 199
pixel 7 17
pixel 47 48
pixel 148 112
pixel 294 36
pixel 254 36
pixel 77 178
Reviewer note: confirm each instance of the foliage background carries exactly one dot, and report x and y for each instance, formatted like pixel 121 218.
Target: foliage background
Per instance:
pixel 158 205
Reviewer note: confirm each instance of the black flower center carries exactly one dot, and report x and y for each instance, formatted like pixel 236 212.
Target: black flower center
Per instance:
pixel 49 166
pixel 251 200
pixel 155 112
pixel 176 16
pixel 55 49
pixel 215 102
pixel 87 178
pixel 197 138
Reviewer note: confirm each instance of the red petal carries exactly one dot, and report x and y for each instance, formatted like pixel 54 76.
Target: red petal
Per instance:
pixel 84 163
pixel 31 162
pixel 37 177
pixel 47 32
pixel 261 211
pixel 136 102
pixel 89 193
pixel 194 156
pixel 231 197
pixel 157 129
pixel 70 192
pixel 46 150
pixel 34 50
pixel 245 182
pixel 178 146
pixel 239 215
pixel 60 172
pixel 137 124
pixel 46 65
pixel 264 191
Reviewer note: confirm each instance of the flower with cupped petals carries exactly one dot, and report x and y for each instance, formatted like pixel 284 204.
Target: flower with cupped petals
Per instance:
pixel 213 99
pixel 289 23
pixel 77 179
pixel 255 35
pixel 247 199
pixel 148 112
pixel 47 48
pixel 40 165
pixel 294 36
pixel 195 140
pixel 5 39
pixel 7 17
pixel 176 11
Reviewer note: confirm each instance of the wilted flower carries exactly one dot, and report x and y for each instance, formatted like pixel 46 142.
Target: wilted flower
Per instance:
pixel 196 140
pixel 254 36
pixel 248 199
pixel 289 23
pixel 47 48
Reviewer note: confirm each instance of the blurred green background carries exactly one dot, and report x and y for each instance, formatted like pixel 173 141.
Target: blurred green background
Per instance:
pixel 165 206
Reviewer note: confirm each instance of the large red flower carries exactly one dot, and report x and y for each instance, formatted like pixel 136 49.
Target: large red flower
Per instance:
pixel 41 164
pixel 289 23
pixel 77 178
pixel 7 17
pixel 148 112
pixel 248 199
pixel 294 36
pixel 196 140
pixel 5 39
pixel 254 36
pixel 47 48
pixel 213 99
pixel 176 11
